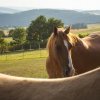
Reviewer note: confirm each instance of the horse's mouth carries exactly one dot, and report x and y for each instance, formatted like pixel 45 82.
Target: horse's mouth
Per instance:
pixel 72 72
pixel 69 72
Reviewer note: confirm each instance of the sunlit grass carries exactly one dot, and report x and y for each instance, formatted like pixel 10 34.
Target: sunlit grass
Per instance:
pixel 92 28
pixel 24 55
pixel 25 67
pixel 89 31
pixel 26 64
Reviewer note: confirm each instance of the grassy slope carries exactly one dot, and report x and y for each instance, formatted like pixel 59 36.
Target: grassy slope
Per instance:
pixel 26 54
pixel 26 67
pixel 91 28
pixel 33 66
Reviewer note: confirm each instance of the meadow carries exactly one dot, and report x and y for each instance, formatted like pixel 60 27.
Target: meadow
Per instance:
pixel 20 55
pixel 32 63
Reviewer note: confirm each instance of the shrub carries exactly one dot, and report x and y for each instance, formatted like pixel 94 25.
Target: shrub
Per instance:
pixel 82 35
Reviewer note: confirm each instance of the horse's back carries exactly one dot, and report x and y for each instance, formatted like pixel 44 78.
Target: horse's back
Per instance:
pixel 93 38
pixel 93 42
pixel 88 57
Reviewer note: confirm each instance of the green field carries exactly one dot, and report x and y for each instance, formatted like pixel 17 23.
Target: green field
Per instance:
pixel 35 54
pixel 32 65
pixel 91 29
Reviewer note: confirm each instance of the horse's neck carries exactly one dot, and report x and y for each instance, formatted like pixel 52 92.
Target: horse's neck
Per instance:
pixel 81 44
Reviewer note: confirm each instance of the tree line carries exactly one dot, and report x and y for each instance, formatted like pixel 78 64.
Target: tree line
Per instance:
pixel 33 37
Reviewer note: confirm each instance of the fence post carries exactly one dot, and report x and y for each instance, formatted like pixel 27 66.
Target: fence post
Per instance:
pixel 6 56
pixel 1 56
pixel 23 53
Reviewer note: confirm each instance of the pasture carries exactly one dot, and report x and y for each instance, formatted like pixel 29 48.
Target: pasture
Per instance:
pixel 84 32
pixel 32 65
pixel 32 54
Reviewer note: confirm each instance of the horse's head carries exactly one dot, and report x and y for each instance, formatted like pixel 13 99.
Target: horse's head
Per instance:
pixel 59 53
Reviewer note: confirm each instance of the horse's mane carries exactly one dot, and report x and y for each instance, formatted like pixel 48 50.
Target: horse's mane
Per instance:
pixel 50 42
pixel 53 55
pixel 73 38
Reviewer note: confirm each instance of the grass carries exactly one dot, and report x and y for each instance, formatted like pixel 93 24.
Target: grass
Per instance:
pixel 88 30
pixel 33 66
pixel 26 68
pixel 23 55
pixel 92 28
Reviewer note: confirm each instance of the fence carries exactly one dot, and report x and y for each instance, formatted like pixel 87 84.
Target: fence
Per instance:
pixel 42 53
pixel 32 63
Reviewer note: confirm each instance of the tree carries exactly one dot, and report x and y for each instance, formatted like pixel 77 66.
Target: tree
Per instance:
pixel 2 34
pixel 36 30
pixel 3 45
pixel 52 22
pixel 19 36
pixel 11 32
pixel 40 29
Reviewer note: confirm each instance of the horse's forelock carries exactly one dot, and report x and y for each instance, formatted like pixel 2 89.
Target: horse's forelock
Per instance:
pixel 56 47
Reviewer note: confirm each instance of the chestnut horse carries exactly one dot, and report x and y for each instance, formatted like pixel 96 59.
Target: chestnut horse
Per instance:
pixel 80 87
pixel 67 50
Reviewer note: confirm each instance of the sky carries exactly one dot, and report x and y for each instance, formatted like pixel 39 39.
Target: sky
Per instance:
pixel 53 4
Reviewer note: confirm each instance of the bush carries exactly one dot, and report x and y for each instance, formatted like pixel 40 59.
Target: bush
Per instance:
pixel 3 46
pixel 11 32
pixel 82 35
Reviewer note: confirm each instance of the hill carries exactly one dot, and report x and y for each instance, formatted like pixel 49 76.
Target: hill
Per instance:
pixel 4 10
pixel 67 16
pixel 95 12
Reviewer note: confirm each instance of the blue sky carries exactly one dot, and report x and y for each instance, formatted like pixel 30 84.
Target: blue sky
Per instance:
pixel 53 4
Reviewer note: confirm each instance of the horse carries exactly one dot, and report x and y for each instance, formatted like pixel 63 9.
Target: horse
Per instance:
pixel 85 86
pixel 70 55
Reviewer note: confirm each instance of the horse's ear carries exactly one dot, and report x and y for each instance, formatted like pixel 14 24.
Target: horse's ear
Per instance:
pixel 55 30
pixel 67 30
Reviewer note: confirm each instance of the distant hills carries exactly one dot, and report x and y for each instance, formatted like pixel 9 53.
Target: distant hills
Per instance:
pixel 67 16
pixel 4 10
pixel 95 12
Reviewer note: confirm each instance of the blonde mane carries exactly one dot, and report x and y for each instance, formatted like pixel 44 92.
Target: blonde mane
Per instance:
pixel 73 38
